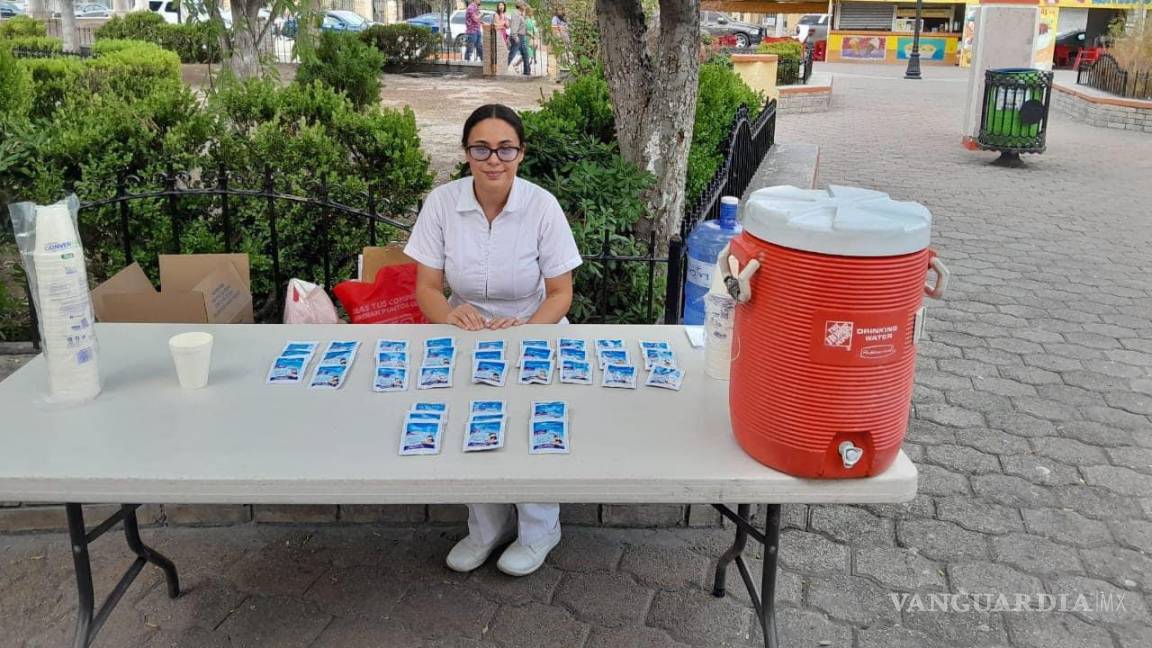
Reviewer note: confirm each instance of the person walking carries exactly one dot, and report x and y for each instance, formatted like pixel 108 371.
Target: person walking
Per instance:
pixel 500 21
pixel 518 38
pixel 474 33
pixel 533 39
pixel 503 247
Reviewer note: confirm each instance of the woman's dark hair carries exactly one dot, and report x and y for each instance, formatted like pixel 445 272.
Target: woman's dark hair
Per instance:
pixel 493 111
pixel 501 8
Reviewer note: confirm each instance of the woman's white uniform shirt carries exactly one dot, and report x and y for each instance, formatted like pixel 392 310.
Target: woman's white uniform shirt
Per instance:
pixel 500 269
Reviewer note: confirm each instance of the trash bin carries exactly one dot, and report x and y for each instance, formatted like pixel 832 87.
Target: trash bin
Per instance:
pixel 1014 118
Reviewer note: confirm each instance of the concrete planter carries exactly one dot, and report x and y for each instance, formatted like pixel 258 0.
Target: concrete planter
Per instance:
pixel 758 71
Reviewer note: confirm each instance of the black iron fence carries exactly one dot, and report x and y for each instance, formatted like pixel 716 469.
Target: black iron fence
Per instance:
pixel 1106 74
pixel 748 143
pixel 186 199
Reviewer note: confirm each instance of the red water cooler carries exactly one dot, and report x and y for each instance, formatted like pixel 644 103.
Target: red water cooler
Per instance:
pixel 829 286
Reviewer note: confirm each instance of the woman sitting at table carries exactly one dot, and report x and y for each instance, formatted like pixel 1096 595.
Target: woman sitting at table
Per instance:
pixel 506 252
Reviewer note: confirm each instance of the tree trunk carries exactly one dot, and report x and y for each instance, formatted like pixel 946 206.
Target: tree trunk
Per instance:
pixel 244 59
pixel 68 33
pixel 38 9
pixel 652 75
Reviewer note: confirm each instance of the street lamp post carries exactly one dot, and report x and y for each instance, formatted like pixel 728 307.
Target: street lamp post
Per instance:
pixel 913 71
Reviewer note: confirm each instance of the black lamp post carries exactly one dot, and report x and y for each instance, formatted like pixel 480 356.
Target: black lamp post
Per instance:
pixel 913 71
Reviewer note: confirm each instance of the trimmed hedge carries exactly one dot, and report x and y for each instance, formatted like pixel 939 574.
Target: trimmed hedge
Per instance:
pixel 45 44
pixel 20 27
pixel 402 44
pixel 197 42
pixel 125 113
pixel 127 68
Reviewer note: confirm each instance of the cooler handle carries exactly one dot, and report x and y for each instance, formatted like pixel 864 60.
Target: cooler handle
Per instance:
pixel 737 281
pixel 937 291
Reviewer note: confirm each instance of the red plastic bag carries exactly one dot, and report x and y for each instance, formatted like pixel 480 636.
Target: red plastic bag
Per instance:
pixel 391 299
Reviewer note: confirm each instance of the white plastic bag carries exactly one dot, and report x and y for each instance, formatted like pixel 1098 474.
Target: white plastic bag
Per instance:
pixel 308 303
pixel 54 261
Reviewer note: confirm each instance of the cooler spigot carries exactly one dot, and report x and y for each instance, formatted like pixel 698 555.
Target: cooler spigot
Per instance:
pixel 850 454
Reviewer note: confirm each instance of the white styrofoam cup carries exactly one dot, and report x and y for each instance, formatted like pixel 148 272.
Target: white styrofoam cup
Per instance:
pixel 192 353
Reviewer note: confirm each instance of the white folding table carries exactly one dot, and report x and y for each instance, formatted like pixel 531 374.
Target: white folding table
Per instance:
pixel 238 440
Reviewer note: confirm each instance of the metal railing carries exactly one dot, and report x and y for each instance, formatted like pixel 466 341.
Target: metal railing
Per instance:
pixel 747 145
pixel 1106 74
pixel 749 141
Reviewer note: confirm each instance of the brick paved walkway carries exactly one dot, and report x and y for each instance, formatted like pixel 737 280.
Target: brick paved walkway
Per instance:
pixel 1031 431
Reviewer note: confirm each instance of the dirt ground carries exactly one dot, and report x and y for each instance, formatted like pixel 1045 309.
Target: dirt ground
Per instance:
pixel 441 103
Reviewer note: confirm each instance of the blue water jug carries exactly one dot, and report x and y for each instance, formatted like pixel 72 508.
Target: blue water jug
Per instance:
pixel 705 242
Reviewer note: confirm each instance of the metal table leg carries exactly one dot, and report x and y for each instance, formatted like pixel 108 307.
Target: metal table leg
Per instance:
pixel 764 597
pixel 88 625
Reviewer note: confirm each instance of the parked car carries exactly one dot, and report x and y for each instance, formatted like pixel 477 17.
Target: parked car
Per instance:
pixel 457 25
pixel 170 10
pixel 10 9
pixel 432 21
pixel 812 28
pixel 337 20
pixel 717 23
pixel 89 10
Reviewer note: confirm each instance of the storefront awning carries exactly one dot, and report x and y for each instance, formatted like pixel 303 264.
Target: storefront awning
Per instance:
pixel 765 6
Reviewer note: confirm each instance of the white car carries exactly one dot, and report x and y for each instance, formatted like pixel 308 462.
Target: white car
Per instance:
pixel 812 28
pixel 170 10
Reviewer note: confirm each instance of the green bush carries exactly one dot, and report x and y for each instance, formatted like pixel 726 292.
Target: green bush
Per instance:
pixel 53 80
pixel 21 27
pixel 789 48
pixel 133 67
pixel 124 114
pixel 44 44
pixel 790 53
pixel 721 93
pixel 346 64
pixel 571 151
pixel 15 87
pixel 402 44
pixel 129 69
pixel 197 42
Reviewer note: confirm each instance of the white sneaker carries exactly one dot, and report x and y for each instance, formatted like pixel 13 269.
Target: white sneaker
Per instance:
pixel 523 559
pixel 469 553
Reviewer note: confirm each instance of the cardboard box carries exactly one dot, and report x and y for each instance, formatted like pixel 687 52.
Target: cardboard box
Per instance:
pixel 374 258
pixel 194 288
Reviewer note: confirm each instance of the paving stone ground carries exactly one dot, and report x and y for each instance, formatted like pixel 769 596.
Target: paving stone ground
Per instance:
pixel 1031 430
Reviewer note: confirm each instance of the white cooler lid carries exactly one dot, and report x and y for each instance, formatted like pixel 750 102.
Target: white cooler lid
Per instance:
pixel 845 221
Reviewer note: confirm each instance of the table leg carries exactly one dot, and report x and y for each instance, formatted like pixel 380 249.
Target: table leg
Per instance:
pixel 719 583
pixel 768 575
pixel 764 598
pixel 88 625
pixel 78 538
pixel 132 535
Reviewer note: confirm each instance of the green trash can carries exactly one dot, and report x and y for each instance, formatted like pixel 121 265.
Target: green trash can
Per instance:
pixel 1014 118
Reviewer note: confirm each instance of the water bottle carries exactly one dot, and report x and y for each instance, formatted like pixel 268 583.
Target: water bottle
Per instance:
pixel 705 242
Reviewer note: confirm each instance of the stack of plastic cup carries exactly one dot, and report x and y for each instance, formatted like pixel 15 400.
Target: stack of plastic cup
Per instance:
pixel 65 307
pixel 192 353
pixel 719 318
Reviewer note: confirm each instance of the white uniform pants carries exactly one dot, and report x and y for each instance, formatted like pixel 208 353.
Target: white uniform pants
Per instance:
pixel 487 522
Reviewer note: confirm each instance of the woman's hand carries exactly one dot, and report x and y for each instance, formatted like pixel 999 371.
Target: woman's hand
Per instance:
pixel 504 322
pixel 466 317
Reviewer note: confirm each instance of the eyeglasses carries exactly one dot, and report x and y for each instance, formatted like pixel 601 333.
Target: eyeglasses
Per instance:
pixel 505 153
